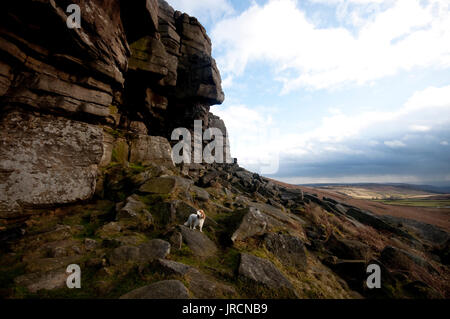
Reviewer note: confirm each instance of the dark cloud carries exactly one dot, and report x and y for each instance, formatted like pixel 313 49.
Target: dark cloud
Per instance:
pixel 422 157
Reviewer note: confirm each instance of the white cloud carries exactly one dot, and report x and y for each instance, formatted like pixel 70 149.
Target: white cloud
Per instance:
pixel 409 34
pixel 347 1
pixel 253 132
pixel 227 82
pixel 254 138
pixel 394 144
pixel 420 128
pixel 444 143
pixel 431 97
pixel 204 10
pixel 339 128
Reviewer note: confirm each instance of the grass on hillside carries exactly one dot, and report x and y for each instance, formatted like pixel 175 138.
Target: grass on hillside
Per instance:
pixel 420 202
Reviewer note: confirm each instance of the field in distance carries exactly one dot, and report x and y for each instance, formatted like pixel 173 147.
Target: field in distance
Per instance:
pixel 383 191
pixel 429 201
pixel 393 194
pixel 417 202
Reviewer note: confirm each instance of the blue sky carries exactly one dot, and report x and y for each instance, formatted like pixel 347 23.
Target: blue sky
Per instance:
pixel 334 90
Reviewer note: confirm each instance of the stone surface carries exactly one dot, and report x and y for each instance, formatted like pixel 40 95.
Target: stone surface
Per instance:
pixel 146 252
pixel 182 211
pixel 46 160
pixel 288 249
pixel 426 231
pixel 262 271
pixel 99 52
pixel 374 221
pixel 134 214
pixel 199 193
pixel 139 17
pixel 46 264
pixel 124 254
pixel 151 149
pixel 205 287
pixel 166 185
pixel 292 194
pixel 260 218
pixel 198 242
pixel 109 230
pixel 154 249
pixel 253 223
pixel 166 289
pixel 176 240
pixel 37 281
pixel 138 127
pixel 173 267
pixel 113 70
pixel 200 284
pixel 347 248
pixel 197 70
pixel 149 55
pixel 90 244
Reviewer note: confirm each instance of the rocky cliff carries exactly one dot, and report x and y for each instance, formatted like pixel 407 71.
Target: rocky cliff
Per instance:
pixel 87 176
pixel 140 68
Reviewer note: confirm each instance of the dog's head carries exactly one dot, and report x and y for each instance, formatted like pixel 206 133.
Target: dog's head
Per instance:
pixel 201 214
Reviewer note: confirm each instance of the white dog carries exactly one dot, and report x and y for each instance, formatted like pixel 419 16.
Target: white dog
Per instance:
pixel 196 219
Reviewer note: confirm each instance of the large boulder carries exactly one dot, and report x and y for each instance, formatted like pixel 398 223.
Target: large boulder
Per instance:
pixel 262 271
pixel 205 287
pixel 376 222
pixel 288 249
pixel 253 223
pixel 166 289
pixel 291 194
pixel 146 252
pixel 154 249
pixel 259 219
pixel 151 149
pixel 172 267
pixel 198 242
pixel 200 284
pixel 50 280
pixel 134 214
pixel 199 193
pixel 278 218
pixel 124 254
pixel 46 161
pixel 166 185
pixel 347 248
